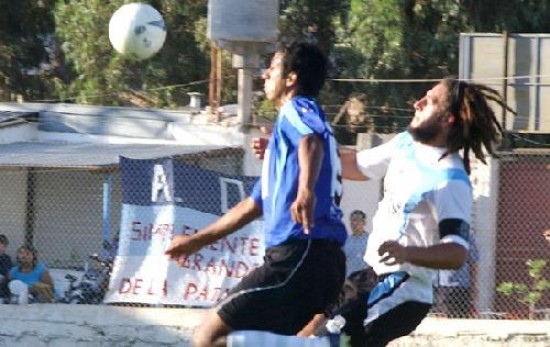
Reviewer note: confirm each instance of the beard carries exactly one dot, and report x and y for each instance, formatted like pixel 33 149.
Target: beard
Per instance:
pixel 425 132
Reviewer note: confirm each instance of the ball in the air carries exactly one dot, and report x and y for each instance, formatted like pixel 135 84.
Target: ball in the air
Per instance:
pixel 137 30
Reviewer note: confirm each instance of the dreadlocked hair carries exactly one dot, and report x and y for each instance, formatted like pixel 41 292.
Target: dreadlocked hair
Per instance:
pixel 476 126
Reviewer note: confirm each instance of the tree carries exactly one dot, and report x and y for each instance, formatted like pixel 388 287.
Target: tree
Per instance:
pixel 412 40
pixel 311 19
pixel 514 16
pixel 528 294
pixel 402 40
pixel 25 29
pixel 104 77
pixel 59 50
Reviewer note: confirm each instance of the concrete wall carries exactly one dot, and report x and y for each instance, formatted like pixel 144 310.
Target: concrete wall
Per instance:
pixel 68 214
pixel 43 325
pixel 13 186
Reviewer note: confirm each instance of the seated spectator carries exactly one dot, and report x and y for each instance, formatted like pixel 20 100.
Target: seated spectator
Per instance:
pixel 30 276
pixel 5 266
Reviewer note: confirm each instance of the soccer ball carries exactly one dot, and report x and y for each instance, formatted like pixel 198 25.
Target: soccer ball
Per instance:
pixel 137 30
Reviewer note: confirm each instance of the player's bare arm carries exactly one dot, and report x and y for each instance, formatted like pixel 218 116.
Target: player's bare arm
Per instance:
pixel 350 170
pixel 440 256
pixel 310 157
pixel 237 217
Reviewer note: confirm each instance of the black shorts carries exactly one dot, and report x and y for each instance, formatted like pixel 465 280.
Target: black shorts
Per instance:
pixel 353 306
pixel 297 280
pixel 357 282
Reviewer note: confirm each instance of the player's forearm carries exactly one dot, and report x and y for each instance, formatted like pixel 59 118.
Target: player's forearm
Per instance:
pixel 243 213
pixel 310 157
pixel 441 256
pixel 350 170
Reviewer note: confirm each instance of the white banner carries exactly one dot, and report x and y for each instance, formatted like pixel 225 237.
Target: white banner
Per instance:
pixel 143 274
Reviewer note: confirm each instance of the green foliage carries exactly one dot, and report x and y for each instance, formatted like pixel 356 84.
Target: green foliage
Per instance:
pixel 531 293
pixel 401 40
pixel 264 109
pixel 102 76
pixel 24 28
pixel 311 19
pixel 372 39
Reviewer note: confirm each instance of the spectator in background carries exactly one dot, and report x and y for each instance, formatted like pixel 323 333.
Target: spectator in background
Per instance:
pixel 5 266
pixel 30 276
pixel 455 290
pixel 546 235
pixel 357 242
pixel 354 116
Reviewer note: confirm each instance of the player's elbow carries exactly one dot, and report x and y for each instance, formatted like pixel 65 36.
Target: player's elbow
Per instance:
pixel 457 257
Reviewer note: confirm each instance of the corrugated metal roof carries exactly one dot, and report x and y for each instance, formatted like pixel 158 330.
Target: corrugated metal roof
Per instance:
pixel 13 117
pixel 87 155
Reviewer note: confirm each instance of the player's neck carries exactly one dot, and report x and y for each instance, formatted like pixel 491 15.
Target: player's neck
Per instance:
pixel 288 95
pixel 440 141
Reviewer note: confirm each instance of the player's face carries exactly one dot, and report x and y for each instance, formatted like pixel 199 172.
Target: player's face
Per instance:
pixel 274 81
pixel 429 111
pixel 357 224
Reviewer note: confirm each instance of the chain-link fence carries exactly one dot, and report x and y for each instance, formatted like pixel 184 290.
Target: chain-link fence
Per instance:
pixel 507 273
pixel 69 220
pixel 69 214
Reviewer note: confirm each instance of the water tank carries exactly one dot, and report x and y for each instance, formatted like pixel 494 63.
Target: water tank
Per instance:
pixel 253 21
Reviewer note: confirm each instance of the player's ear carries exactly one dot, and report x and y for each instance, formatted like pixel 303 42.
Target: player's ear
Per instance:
pixel 451 119
pixel 291 79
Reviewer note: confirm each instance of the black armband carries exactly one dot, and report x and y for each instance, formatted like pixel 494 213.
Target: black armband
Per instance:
pixel 456 227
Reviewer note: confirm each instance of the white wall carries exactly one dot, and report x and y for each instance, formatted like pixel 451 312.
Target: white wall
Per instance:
pixel 18 133
pixel 68 214
pixel 484 228
pixel 362 196
pixel 13 201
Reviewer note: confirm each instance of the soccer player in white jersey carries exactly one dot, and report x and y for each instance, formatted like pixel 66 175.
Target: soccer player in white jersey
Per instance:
pixel 422 223
pixel 298 196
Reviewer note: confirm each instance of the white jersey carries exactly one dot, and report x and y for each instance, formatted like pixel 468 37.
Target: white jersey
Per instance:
pixel 420 190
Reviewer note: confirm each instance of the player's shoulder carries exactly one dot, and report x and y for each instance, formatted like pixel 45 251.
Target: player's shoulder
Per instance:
pixel 304 113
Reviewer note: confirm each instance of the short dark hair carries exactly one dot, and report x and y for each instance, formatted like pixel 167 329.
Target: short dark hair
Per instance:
pixel 310 65
pixel 358 213
pixel 4 240
pixel 29 247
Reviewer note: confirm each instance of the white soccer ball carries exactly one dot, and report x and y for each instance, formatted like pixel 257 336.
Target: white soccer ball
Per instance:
pixel 137 30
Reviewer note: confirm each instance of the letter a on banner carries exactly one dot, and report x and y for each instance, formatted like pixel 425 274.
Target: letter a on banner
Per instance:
pixel 160 184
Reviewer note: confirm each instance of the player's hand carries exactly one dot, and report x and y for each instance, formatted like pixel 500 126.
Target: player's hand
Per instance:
pixel 259 144
pixel 302 209
pixel 180 247
pixel 392 253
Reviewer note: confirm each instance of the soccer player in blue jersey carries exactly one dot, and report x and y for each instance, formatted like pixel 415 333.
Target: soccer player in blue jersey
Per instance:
pixel 422 223
pixel 298 196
